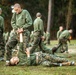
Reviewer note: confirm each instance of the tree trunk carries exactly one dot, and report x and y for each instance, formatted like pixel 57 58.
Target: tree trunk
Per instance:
pixel 69 14
pixel 49 16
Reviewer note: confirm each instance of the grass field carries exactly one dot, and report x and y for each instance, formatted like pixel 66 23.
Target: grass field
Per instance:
pixel 40 70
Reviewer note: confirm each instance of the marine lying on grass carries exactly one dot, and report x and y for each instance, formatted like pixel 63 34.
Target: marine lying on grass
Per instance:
pixel 39 58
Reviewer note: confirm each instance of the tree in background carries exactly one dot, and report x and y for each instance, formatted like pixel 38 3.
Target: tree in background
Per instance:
pixel 50 15
pixel 63 12
pixel 69 14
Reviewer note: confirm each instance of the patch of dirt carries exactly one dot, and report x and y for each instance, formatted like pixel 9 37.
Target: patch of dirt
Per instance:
pixel 72 51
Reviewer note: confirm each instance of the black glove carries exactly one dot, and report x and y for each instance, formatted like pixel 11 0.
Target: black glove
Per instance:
pixel 54 49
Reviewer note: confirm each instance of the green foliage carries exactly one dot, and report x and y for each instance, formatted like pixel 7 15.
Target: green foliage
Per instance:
pixel 4 10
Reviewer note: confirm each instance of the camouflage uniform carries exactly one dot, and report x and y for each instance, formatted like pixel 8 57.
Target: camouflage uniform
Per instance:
pixel 38 33
pixel 58 34
pixel 2 50
pixel 21 20
pixel 31 36
pixel 39 58
pixel 6 36
pixel 63 38
pixel 47 38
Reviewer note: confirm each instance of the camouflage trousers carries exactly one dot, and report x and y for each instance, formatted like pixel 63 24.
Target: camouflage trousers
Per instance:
pixel 47 41
pixel 64 46
pixel 46 59
pixel 2 46
pixel 14 40
pixel 39 43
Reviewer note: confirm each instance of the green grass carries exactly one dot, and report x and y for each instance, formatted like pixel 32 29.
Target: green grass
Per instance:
pixel 37 70
pixel 72 42
pixel 40 70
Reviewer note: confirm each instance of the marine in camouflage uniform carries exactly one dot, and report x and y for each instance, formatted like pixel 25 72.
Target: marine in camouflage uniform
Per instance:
pixel 21 21
pixel 58 34
pixel 2 49
pixel 59 31
pixel 39 35
pixel 63 38
pixel 39 58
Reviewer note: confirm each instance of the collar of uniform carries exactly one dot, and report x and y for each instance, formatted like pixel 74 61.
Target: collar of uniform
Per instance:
pixel 21 11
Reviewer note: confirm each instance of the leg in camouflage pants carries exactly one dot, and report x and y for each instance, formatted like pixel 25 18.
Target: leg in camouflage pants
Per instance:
pixel 64 46
pixel 2 46
pixel 38 42
pixel 12 42
pixel 51 60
